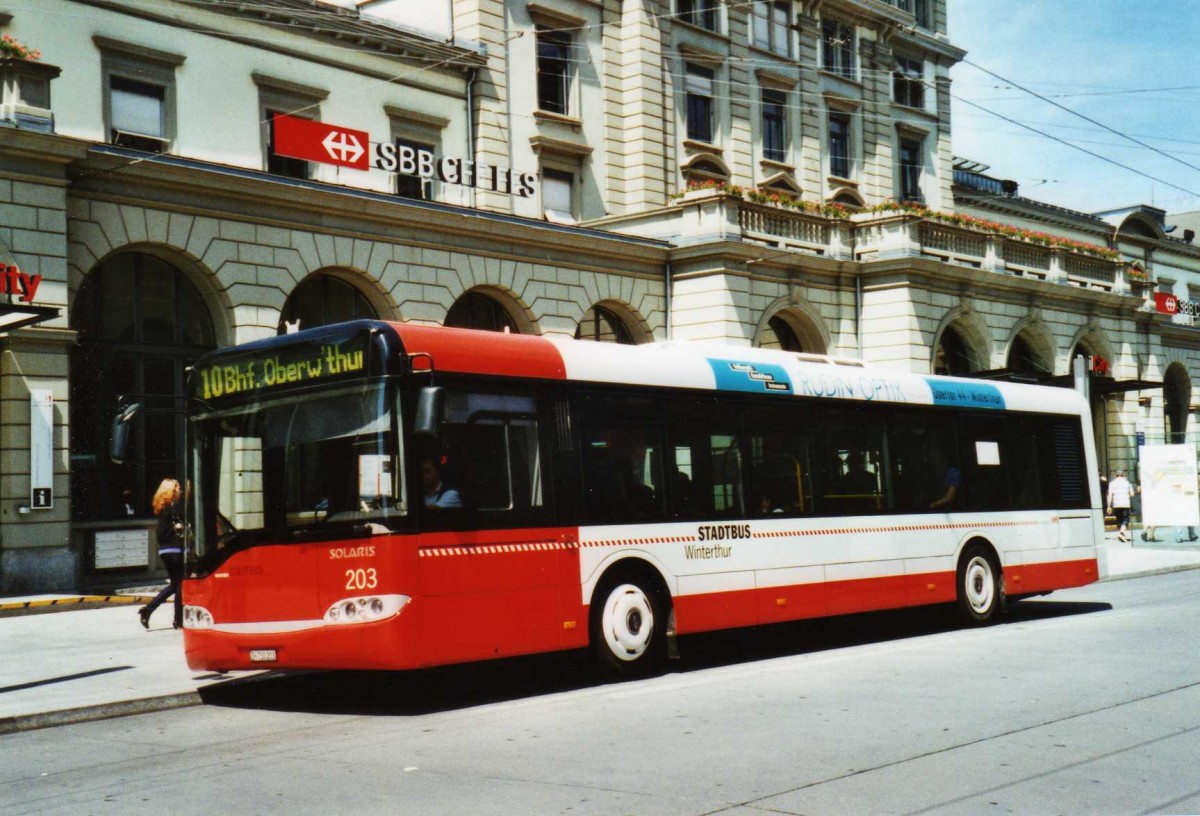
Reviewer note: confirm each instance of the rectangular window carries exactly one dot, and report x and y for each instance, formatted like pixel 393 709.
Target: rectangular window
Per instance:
pixel 282 165
pixel 558 196
pixel 702 13
pixel 699 88
pixel 774 124
pixel 769 25
pixel 848 462
pixel 910 170
pixel 908 82
pixel 553 71
pixel 837 48
pixel 413 186
pixel 922 12
pixel 839 145
pixel 138 114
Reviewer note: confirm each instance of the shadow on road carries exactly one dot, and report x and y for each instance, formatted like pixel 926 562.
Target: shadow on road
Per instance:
pixel 463 686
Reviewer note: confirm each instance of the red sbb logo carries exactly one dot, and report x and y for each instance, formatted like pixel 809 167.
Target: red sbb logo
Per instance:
pixel 321 142
pixel 1166 303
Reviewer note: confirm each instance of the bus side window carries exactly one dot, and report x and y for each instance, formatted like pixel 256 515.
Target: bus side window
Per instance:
pixel 622 460
pixel 851 458
pixel 490 453
pixel 778 471
pixel 926 462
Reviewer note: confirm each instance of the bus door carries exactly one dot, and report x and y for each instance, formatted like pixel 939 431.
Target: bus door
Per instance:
pixel 492 561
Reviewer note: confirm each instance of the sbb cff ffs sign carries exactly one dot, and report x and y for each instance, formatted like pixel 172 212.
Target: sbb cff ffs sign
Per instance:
pixel 345 147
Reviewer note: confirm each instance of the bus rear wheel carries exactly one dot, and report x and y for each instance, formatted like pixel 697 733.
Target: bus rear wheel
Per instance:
pixel 628 626
pixel 980 587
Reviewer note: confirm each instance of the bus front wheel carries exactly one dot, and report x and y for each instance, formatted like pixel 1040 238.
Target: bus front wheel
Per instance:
pixel 628 626
pixel 980 585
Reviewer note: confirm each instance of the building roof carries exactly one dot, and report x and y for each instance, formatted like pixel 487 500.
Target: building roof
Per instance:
pixel 346 27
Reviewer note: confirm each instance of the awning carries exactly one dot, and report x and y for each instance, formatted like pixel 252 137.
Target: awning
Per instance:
pixel 15 316
pixel 1098 384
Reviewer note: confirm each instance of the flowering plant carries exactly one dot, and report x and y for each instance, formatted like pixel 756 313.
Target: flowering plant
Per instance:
pixel 996 228
pixel 1136 273
pixel 9 47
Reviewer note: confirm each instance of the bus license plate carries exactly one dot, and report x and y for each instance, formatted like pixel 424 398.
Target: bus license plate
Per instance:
pixel 263 656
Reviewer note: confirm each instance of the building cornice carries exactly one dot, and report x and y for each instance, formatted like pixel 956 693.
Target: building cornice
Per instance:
pixel 200 188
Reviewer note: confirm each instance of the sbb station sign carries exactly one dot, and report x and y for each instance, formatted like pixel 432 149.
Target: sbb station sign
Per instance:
pixel 332 144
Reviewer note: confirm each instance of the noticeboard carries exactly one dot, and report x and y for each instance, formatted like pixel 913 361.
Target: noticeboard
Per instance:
pixel 1169 487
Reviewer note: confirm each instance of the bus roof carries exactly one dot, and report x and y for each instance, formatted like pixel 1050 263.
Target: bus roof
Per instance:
pixel 717 367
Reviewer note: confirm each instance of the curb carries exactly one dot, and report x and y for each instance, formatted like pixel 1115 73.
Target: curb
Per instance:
pixel 103 711
pixel 75 601
pixel 1146 573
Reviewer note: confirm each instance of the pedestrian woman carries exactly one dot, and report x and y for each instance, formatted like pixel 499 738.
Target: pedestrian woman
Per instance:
pixel 1120 496
pixel 167 505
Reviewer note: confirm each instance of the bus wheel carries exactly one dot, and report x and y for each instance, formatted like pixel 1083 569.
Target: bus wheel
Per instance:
pixel 628 625
pixel 980 592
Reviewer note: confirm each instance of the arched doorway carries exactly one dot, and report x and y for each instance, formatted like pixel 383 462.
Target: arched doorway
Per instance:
pixel 479 310
pixel 1176 395
pixel 1025 362
pixel 322 299
pixel 778 334
pixel 604 325
pixel 793 329
pixel 141 323
pixel 952 357
pixel 1095 365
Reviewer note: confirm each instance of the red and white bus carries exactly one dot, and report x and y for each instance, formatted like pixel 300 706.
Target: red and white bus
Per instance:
pixel 376 495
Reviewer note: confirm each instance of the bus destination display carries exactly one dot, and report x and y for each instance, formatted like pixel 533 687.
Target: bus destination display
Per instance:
pixel 287 366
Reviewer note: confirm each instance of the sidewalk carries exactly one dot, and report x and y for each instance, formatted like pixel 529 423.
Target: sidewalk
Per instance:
pixel 87 663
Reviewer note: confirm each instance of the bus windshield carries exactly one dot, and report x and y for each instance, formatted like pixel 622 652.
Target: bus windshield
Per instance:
pixel 298 465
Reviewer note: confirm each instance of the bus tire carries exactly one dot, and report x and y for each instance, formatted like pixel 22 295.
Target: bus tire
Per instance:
pixel 980 584
pixel 628 625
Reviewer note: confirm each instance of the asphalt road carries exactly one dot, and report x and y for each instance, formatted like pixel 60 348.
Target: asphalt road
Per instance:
pixel 1086 702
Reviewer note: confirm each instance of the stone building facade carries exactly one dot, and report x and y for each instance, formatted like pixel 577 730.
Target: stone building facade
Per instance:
pixel 702 170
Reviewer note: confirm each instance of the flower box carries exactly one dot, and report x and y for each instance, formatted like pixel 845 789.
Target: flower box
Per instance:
pixel 25 94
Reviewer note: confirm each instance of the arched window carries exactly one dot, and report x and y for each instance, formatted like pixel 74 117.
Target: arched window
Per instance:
pixel 605 326
pixel 140 324
pixel 701 171
pixel 320 300
pixel 778 334
pixel 475 310
pixel 952 357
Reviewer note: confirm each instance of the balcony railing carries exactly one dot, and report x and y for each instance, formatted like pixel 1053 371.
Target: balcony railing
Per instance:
pixel 953 245
pixel 784 228
pixel 1027 260
pixel 710 214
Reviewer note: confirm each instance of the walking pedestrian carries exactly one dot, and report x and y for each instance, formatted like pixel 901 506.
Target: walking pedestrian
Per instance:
pixel 1120 496
pixel 168 507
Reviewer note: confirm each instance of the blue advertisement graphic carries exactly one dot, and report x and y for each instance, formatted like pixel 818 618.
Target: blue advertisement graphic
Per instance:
pixel 736 375
pixel 965 394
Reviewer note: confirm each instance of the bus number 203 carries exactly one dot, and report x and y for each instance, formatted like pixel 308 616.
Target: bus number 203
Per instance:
pixel 361 578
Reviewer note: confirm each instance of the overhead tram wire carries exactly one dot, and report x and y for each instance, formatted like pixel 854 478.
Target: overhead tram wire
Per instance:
pixel 1091 153
pixel 1084 117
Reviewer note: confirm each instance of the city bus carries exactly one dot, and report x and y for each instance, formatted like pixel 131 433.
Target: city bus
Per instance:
pixel 377 495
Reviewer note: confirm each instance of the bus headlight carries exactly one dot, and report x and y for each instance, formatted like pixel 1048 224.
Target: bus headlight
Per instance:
pixel 365 609
pixel 197 617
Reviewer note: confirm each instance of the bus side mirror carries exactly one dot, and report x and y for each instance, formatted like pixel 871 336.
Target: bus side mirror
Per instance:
pixel 428 419
pixel 118 445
